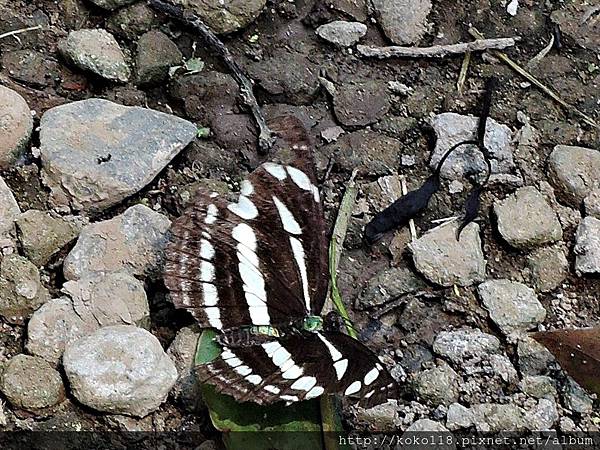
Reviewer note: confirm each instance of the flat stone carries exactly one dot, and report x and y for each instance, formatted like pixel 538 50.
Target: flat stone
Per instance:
pixel 427 425
pixel 439 385
pixel 549 267
pixel 575 172
pixel 156 55
pixel 21 290
pixel 539 386
pixel 357 9
pixel 577 399
pixel 591 204
pixel 225 16
pixel 452 128
pixel 494 418
pixel 503 368
pixel 53 326
pixel 587 247
pixel 43 235
pixel 383 417
pixel 526 220
pixel 403 21
pixel 16 125
pixel 513 306
pixel 109 299
pixel 376 153
pixel 361 103
pixel 332 134
pixel 97 51
pixel 389 284
pixel 132 21
pixel 543 416
pixel 132 242
pixel 9 210
pixel 445 261
pixel 95 153
pixel 342 33
pixel 30 383
pixel 466 345
pixel 112 4
pixel 459 417
pixel 534 358
pixel 119 369
pixel 187 389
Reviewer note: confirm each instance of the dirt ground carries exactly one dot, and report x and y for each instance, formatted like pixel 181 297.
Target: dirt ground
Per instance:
pixel 273 49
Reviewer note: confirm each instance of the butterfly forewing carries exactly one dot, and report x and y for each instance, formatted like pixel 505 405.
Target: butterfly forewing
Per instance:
pixel 299 367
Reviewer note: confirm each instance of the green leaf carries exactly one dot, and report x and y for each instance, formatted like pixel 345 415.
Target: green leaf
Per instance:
pixel 194 65
pixel 234 418
pixel 203 132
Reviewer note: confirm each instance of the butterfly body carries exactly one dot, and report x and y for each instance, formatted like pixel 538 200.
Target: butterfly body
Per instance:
pixel 255 269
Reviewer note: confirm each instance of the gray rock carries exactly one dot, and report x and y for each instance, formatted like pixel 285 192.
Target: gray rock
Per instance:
pixel 225 16
pixel 402 21
pixel 452 128
pixel 459 417
pixel 587 247
pixel 95 153
pixel 9 210
pixel 549 267
pixel 16 125
pixel 525 219
pixel 503 367
pixel 361 103
pixel 182 351
pixel 332 134
pixel 534 358
pixel 576 398
pixel 439 385
pixel 112 4
pixel 42 235
pixel 494 418
pixel 109 299
pixel 30 383
pixel 342 33
pixel 543 416
pixel 445 261
pixel 132 242
pixel 132 21
pixel 21 290
pixel 575 171
pixel 119 369
pixel 96 51
pixel 381 193
pixel 539 386
pixel 591 204
pixel 156 55
pixel 466 345
pixel 53 326
pixel 383 417
pixel 387 285
pixel 513 306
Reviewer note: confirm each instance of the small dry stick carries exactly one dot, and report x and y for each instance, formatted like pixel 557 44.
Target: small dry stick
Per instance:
pixel 521 71
pixel 464 69
pixel 411 222
pixel 265 137
pixel 20 31
pixel 437 51
pixel 542 54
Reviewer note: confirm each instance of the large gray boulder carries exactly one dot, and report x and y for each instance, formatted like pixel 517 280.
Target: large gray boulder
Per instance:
pixel 95 153
pixel 575 171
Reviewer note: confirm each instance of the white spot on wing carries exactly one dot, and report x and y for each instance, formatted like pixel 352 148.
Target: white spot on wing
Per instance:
pixel 371 376
pixel 207 251
pixel 292 373
pixel 314 392
pixel 244 208
pixel 209 294
pixel 214 317
pixel 340 368
pixel 275 170
pixel 335 354
pixel 211 214
pixel 246 188
pixel 299 178
pixel 287 218
pixel 271 347
pixel 298 251
pixel 254 379
pixel 243 370
pixel 353 388
pixel 304 383
pixel 207 271
pixel 272 389
pixel 289 398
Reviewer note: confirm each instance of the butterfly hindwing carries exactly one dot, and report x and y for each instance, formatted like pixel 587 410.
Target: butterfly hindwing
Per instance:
pixel 299 367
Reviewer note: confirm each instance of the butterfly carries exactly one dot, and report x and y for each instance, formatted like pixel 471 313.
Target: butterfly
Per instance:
pixel 256 270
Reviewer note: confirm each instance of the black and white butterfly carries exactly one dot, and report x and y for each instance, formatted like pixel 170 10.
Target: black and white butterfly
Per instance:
pixel 255 269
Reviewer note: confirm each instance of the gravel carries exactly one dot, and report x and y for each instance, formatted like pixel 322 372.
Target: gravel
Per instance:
pixel 534 358
pixel 513 306
pixel 445 261
pixel 361 103
pixel 96 51
pixel 539 386
pixel 225 16
pixel 16 125
pixel 9 210
pixel 342 33
pixel 387 285
pixel 156 54
pixel 402 21
pixel 526 220
pixel 439 385
pixel 132 242
pixel 465 345
pixel 494 418
pixel 575 171
pixel 459 417
pixel 591 204
pixel 549 267
pixel 119 369
pixel 95 153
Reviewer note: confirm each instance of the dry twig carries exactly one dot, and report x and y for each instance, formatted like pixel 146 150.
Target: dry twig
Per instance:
pixel 436 51
pixel 20 31
pixel 464 69
pixel 411 222
pixel 265 137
